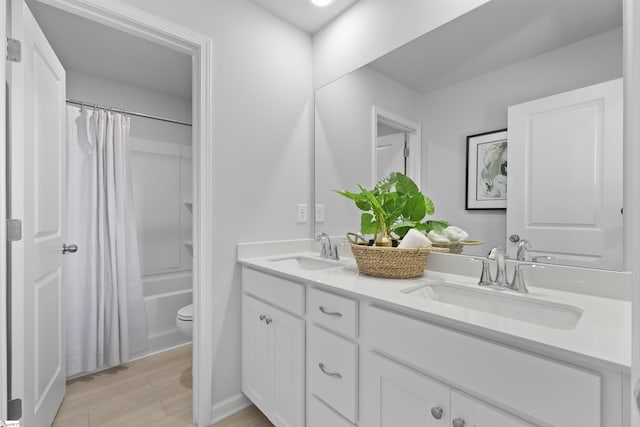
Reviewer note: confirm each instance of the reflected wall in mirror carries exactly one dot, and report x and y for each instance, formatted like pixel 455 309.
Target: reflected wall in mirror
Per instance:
pixel 455 81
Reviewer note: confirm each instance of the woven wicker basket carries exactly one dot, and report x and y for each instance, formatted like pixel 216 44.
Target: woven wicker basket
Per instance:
pixel 456 247
pixel 392 263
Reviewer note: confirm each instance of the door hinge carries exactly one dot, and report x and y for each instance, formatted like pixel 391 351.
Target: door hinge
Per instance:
pixel 14 410
pixel 406 153
pixel 14 50
pixel 14 230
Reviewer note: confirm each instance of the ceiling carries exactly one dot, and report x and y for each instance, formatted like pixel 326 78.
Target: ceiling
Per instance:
pixel 304 15
pixel 93 48
pixel 494 35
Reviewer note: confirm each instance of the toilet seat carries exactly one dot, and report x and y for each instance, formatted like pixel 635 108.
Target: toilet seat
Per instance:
pixel 186 313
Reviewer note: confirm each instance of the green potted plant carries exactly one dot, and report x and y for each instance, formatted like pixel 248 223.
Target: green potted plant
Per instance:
pixel 395 205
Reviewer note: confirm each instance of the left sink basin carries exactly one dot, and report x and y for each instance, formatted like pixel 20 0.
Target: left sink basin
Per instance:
pixel 307 262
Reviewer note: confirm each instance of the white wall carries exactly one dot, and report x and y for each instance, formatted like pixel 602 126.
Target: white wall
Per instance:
pixel 480 105
pixel 262 157
pixel 344 140
pixel 372 28
pixel 161 175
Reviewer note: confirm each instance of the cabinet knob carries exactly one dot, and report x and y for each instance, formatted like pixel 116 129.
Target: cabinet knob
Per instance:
pixel 268 320
pixel 436 411
pixel 262 317
pixel 458 422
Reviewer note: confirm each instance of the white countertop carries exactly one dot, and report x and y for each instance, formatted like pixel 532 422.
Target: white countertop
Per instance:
pixel 602 336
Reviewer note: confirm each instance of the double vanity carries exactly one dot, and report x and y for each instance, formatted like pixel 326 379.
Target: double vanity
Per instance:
pixel 325 346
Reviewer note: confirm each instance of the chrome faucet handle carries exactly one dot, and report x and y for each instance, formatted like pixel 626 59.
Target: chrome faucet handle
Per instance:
pixel 523 246
pixel 518 283
pixel 497 253
pixel 485 276
pixel 326 251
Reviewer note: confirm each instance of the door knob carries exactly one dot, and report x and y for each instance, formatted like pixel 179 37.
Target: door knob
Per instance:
pixel 514 238
pixel 73 248
pixel 458 422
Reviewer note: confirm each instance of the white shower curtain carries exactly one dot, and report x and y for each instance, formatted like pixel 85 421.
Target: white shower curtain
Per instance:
pixel 106 320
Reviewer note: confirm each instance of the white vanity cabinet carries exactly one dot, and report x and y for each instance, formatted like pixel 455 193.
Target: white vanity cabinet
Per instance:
pixel 315 356
pixel 393 395
pixel 468 412
pixel 273 347
pixel 332 355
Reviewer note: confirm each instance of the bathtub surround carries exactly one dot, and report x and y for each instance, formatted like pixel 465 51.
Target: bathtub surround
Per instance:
pixel 103 287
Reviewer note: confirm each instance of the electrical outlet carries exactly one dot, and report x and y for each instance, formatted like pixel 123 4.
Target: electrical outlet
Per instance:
pixel 319 213
pixel 303 215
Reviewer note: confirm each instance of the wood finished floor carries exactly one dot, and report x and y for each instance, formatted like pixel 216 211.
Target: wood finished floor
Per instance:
pixel 155 391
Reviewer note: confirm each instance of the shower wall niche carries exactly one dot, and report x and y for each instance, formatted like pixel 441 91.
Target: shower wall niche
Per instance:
pixel 162 185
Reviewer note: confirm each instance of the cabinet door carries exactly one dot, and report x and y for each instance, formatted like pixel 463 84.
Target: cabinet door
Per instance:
pixel 257 353
pixel 394 395
pixel 288 344
pixel 468 412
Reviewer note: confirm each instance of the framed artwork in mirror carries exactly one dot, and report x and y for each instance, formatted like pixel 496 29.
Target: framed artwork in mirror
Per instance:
pixel 487 170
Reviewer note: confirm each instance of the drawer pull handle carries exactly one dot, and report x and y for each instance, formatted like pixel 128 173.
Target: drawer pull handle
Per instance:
pixel 458 422
pixel 437 412
pixel 330 374
pixel 329 313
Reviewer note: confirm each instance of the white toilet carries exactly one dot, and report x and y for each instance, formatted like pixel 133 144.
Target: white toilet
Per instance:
pixel 184 320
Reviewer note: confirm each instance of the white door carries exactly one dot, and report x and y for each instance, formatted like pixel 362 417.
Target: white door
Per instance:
pixel 565 176
pixel 390 154
pixel 395 395
pixel 37 144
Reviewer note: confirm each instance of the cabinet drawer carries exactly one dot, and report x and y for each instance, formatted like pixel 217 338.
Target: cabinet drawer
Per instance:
pixel 552 392
pixel 320 415
pixel 280 292
pixel 334 312
pixel 332 370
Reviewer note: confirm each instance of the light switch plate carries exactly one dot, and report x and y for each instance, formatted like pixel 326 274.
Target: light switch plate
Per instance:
pixel 319 213
pixel 303 214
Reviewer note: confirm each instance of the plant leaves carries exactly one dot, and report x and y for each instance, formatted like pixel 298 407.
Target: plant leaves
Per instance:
pixel 405 185
pixel 368 224
pixel 415 207
pixel 430 208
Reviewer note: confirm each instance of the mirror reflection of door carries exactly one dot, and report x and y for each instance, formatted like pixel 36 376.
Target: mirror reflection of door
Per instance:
pixel 392 151
pixel 396 146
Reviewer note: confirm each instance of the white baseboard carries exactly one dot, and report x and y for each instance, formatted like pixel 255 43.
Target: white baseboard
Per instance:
pixel 229 406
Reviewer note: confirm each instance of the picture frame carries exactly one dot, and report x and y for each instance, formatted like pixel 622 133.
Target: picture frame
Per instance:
pixel 486 180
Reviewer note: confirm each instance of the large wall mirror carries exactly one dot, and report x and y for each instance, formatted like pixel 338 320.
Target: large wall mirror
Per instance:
pixel 425 98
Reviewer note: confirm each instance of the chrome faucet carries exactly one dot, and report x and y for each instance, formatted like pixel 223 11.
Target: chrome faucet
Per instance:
pixel 497 253
pixel 523 246
pixel 518 283
pixel 328 250
pixel 485 276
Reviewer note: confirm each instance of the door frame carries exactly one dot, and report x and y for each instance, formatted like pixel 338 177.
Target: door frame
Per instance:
pixel 141 24
pixel 4 393
pixel 414 130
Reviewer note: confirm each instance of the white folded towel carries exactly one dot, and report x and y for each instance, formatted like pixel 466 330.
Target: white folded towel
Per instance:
pixel 438 237
pixel 414 239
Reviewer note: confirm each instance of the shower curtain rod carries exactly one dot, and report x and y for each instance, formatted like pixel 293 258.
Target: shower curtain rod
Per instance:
pixel 130 113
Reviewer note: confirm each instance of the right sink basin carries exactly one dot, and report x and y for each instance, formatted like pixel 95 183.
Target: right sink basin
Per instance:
pixel 501 303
